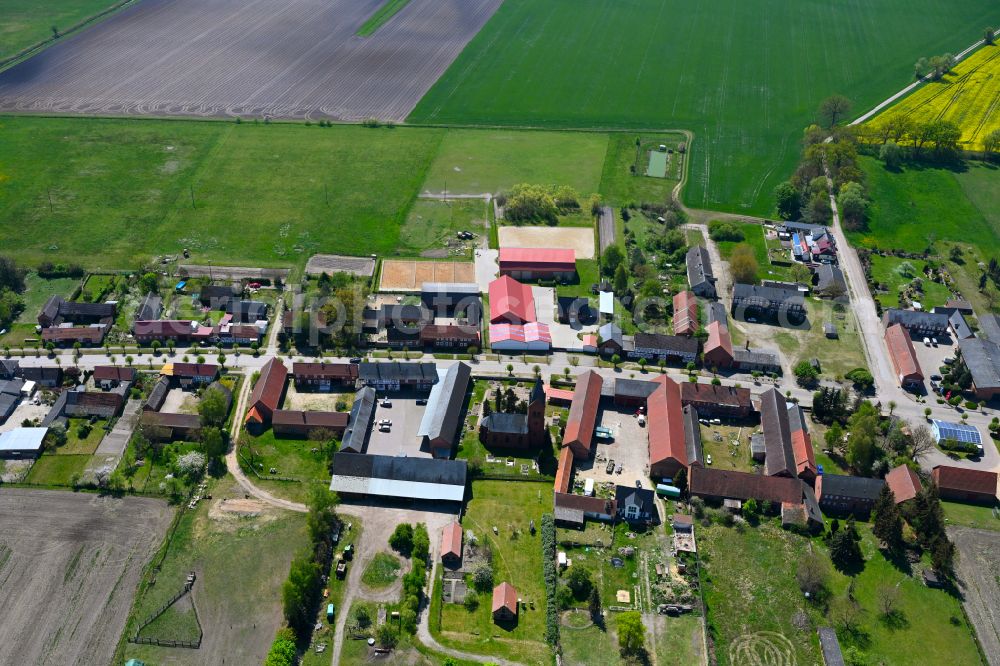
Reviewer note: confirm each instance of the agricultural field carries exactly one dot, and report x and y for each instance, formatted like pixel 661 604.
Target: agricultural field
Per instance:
pixel 219 59
pixel 26 23
pixel 559 64
pixel 967 96
pixel 70 565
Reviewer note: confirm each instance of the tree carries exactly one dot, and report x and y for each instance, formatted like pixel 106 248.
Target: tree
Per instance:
pixel 148 283
pixel 805 373
pixel 787 200
pixel 471 601
pixel 402 539
pixel 852 205
pixel 891 154
pixel 743 264
pixel 386 636
pixel 887 524
pixel 812 574
pixel 190 464
pixel 631 634
pixel 621 280
pixel 611 259
pixel 213 407
pixel 845 548
pixel 833 109
pixel 421 543
pixel 579 582
pixel 482 577
pixel 322 519
pixel 615 360
pixel 861 378
pixel 282 652
pixel 989 34
pixel 362 617
pixel 888 599
pixel 214 442
pixel 862 448
pixel 921 441
pixel 991 142
pixel 594 604
pixel 681 479
pixel 299 592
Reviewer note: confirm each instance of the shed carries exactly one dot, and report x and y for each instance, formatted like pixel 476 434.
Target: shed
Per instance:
pixel 451 544
pixel 504 603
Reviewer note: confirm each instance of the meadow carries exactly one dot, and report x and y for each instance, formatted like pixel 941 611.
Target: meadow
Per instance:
pixel 27 22
pixel 746 86
pixel 967 96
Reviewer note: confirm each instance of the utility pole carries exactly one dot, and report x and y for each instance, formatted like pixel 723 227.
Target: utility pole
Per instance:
pixel 326 193
pixel 191 192
pixel 49 191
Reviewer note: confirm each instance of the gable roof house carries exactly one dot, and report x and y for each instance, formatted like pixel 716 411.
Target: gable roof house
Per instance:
pixel 700 277
pixel 359 422
pixel 217 296
pixel 959 326
pixel 664 347
pixel 168 427
pixel 89 403
pixel 903 482
pixel 43 375
pixel 511 302
pixel 324 376
pixel 187 374
pixel 582 419
pixel 9 368
pixel 504 606
pixel 779 457
pixel 783 305
pixel 295 423
pixel 529 263
pixel 712 400
pixel 720 485
pixel 110 376
pixel 667 448
pixel 636 505
pixel 574 510
pixel 267 393
pixel 718 350
pixel 965 485
pixel 633 392
pixel 67 335
pixel 58 310
pixel 685 313
pixel 610 339
pixel 394 375
pixel 439 427
pixel 451 545
pixel 830 281
pixel 838 493
pixel 903 357
pixel 802 449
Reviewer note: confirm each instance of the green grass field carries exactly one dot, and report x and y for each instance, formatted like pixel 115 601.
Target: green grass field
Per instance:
pixel 37 292
pixel 430 223
pixel 620 186
pixel 885 270
pixel 746 85
pixel 921 202
pixel 26 22
pixel 481 161
pixel 121 190
pixel 57 470
pixel 971 515
pixel 75 445
pixel 381 571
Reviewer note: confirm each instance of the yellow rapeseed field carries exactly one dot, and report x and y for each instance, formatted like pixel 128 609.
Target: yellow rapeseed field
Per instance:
pixel 969 97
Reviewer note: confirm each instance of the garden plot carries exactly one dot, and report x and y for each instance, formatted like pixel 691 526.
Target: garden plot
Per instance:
pixel 578 239
pixel 217 58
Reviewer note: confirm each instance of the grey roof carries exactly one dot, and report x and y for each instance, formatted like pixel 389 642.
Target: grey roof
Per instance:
pixel 796 419
pixel 399 476
pixel 371 373
pixel 246 310
pixel 362 412
pixel 915 319
pixel 610 331
pixel 675 343
pixel 960 326
pixel 830 277
pixel 692 436
pixel 699 267
pixel 859 487
pixel 9 368
pixel 832 655
pixel 151 308
pixel 514 424
pixel 445 404
pixel 626 496
pixel 716 312
pixel 158 394
pixel 56 411
pixel 755 357
pixel 57 306
pixel 802 226
pixel 768 297
pixel 42 373
pixel 8 403
pixel 989 326
pixel 757 443
pixel 450 288
pixel 11 386
pixel 779 457
pixel 635 388
pixel 982 357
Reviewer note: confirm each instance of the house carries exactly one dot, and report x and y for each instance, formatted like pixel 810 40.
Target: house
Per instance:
pixel 246 311
pixel 150 308
pixel 409 317
pixel 89 403
pixel 398 477
pixel 511 302
pixel 610 339
pixel 633 392
pixel 802 449
pixel 829 281
pixel 841 494
pixel 692 437
pixel 982 358
pixel 671 348
pixel 451 545
pixel 903 482
pixel 665 414
pixel 190 374
pixel 395 376
pixel 523 263
pixel 779 458
pixel 701 279
pixel 636 505
pixel 960 328
pixel 216 296
pixel 533 336
pixel 295 423
pixel 47 376
pixel 718 349
pixel 58 310
pixel 111 376
pixel 9 368
pixel 459 300
pixel 775 491
pixel 575 311
pixel 88 336
pixel 21 443
pixel 359 422
pixel 168 427
pixel 267 393
pixel 558 396
pixel 504 603
pixel 574 510
pixel 903 357
pixel 564 471
pixel 229 333
pixel 517 431
pixel 163 330
pixel 439 426
pixel 452 336
pixel 324 377
pixel 919 324
pixel 157 396
pixel 716 400
pixel 685 313
pixel 965 485
pixel 582 419
pixel 785 306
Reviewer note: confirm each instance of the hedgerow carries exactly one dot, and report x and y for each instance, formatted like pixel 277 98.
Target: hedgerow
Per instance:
pixel 549 569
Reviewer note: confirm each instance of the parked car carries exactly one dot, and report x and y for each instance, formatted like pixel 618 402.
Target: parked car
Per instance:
pixel 386 402
pixel 927 342
pixel 384 428
pixel 386 422
pixel 948 360
pixel 935 378
pixel 638 483
pixel 610 468
pixel 421 401
pixel 356 359
pixel 708 459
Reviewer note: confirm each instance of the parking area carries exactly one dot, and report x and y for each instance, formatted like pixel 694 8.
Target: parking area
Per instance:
pixel 564 336
pixel 27 409
pixel 179 401
pixel 628 448
pixel 487 268
pixel 401 438
pixel 931 358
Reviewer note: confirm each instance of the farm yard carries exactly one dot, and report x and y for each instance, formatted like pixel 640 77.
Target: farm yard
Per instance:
pixel 70 564
pixel 219 59
pixel 746 88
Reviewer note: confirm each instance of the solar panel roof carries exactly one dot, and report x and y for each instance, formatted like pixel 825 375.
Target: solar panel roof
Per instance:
pixel 959 432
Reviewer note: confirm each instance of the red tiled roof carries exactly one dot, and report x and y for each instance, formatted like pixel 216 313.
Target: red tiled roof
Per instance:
pixel 267 391
pixel 560 395
pixel 582 417
pixel 964 479
pixel 904 359
pixel 511 300
pixel 723 396
pixel 803 451
pixel 666 423
pixel 685 313
pixel 291 417
pixel 706 482
pixel 451 540
pixel 195 370
pixel 564 471
pixel 505 596
pixel 718 337
pixel 903 482
pixel 530 258
pixel 81 333
pixel 113 373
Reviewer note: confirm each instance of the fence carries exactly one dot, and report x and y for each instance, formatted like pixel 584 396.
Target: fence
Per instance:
pixel 167 643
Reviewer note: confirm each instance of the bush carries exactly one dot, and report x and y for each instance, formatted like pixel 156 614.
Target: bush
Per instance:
pixel 549 569
pixel 421 542
pixel 471 601
pixel 282 652
pixel 724 231
pixel 482 577
pixel 960 447
pixel 402 539
pixel 971 404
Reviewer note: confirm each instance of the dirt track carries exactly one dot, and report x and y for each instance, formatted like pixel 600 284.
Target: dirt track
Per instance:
pixel 979 570
pixel 69 566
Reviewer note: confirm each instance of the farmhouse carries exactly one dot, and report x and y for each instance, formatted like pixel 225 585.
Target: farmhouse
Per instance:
pixel 579 434
pixel 451 545
pixel 701 279
pixel 685 313
pixel 295 423
pixel 711 400
pixel 511 302
pixel 918 324
pixel 842 494
pixel 504 603
pixel 267 393
pixel 780 305
pixel 667 448
pixel 532 336
pixel 982 358
pixel 324 377
pixel 47 376
pixel 111 376
pixel 188 374
pixel 150 308
pixel 830 281
pixel 574 510
pixel 636 505
pixel 359 423
pixel 396 376
pixel 965 485
pixel 229 333
pixel 610 339
pixel 450 336
pixel 88 336
pixel 523 263
pixel 664 347
pixel 718 350
pixel 989 327
pixel 163 330
pixel 518 431
pixel 168 427
pixel 58 310
pixel 439 426
pixel 903 357
pixel 720 485
pixel 246 311
pixel 397 477
pixel 22 443
pixel 903 482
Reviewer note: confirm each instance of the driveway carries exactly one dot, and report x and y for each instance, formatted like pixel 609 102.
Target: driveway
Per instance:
pixel 487 268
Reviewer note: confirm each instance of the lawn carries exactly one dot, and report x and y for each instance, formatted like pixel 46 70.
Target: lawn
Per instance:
pixel 921 203
pixel 57 470
pixel 885 270
pixel 619 185
pixel 431 224
pixel 746 85
pixel 680 641
pixel 588 273
pixel 591 645
pixel 37 292
pixel 490 161
pixel 291 459
pixel 125 190
pixel 239 606
pixel 382 571
pixel 725 455
pixel 971 515
pixel 753 235
pixel 518 560
pixel 837 356
pixel 76 445
pixel 27 22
